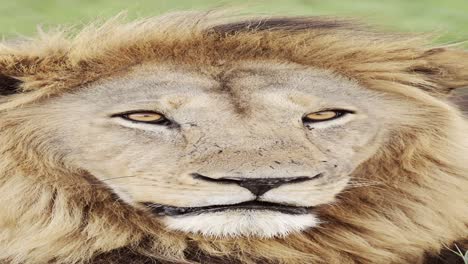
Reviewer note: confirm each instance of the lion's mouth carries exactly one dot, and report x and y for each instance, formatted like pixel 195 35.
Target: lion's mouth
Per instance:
pixel 165 210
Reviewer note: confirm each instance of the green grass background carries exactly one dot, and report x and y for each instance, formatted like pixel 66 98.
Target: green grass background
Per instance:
pixel 447 18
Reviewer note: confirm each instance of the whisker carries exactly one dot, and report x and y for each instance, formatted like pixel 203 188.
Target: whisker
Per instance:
pixel 113 178
pixel 99 182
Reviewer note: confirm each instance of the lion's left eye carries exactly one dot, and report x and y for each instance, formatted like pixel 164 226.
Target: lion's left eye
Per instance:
pixel 145 117
pixel 324 115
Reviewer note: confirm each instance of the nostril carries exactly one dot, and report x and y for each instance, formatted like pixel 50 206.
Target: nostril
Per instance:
pixel 318 176
pixel 197 176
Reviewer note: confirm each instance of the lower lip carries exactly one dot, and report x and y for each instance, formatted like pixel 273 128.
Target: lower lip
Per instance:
pixel 163 210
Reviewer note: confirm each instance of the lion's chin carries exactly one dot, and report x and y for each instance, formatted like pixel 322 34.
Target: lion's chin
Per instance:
pixel 248 223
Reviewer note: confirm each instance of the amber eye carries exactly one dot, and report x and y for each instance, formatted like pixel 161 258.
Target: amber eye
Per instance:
pixel 324 115
pixel 145 117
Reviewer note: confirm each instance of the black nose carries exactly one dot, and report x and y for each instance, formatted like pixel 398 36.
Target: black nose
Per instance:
pixel 257 186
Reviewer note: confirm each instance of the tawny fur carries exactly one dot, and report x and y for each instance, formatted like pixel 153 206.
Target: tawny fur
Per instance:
pixel 419 205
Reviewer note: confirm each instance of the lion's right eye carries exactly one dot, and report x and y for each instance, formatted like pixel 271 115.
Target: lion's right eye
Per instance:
pixel 148 117
pixel 324 115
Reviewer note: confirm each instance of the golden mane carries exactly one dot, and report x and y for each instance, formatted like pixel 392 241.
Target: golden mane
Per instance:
pixel 50 215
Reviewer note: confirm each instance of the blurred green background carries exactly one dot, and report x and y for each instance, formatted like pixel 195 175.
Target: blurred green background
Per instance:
pixel 447 18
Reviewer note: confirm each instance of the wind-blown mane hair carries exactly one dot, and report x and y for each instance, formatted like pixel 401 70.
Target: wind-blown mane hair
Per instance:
pixel 51 214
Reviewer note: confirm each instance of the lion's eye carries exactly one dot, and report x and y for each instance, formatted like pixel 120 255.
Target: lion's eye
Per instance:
pixel 145 117
pixel 323 115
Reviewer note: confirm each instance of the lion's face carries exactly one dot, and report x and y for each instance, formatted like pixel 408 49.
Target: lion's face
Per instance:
pixel 247 149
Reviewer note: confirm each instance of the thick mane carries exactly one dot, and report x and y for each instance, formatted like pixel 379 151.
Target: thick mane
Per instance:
pixel 420 175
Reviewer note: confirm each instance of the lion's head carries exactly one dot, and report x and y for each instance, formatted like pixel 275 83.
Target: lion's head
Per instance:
pixel 271 139
pixel 246 148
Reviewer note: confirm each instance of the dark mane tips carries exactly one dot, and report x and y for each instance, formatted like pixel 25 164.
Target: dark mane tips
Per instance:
pixel 289 24
pixel 8 85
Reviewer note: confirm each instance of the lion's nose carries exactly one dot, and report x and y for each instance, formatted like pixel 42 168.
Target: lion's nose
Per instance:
pixel 257 186
pixel 260 186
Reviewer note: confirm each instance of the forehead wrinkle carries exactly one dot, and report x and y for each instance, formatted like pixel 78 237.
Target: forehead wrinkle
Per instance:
pixel 238 99
pixel 239 80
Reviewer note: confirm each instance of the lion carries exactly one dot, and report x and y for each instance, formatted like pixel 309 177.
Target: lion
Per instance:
pixel 198 137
